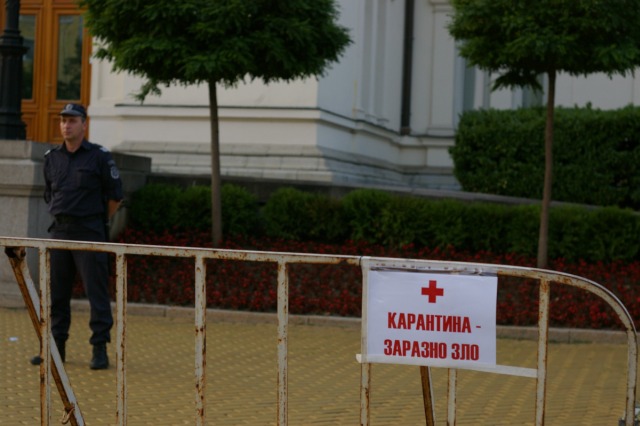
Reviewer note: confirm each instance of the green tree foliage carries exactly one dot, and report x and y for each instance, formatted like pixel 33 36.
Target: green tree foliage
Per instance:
pixel 216 42
pixel 519 40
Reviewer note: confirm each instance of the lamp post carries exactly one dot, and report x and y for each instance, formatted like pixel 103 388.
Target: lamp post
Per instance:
pixel 11 51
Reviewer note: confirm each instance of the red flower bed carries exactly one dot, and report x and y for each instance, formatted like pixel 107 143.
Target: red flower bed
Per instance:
pixel 336 289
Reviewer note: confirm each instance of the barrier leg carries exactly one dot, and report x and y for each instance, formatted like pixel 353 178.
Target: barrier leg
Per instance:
pixel 427 396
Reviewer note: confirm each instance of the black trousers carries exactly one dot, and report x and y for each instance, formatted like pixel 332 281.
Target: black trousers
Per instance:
pixel 93 269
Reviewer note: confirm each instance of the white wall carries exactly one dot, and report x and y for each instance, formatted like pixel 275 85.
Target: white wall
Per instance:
pixel 599 90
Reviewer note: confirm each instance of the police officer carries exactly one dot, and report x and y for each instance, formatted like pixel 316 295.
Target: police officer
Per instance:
pixel 83 190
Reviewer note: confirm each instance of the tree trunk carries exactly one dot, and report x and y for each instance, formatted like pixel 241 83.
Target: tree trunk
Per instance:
pixel 543 239
pixel 216 183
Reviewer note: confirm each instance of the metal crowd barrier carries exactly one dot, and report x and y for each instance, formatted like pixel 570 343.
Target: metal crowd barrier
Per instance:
pixel 15 249
pixel 545 278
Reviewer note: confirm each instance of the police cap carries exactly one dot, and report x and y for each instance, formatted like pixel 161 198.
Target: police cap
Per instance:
pixel 74 109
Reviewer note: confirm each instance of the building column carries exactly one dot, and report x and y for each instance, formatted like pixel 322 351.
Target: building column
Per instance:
pixel 11 51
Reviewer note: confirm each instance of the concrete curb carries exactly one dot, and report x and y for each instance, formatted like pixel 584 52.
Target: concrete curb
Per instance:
pixel 557 335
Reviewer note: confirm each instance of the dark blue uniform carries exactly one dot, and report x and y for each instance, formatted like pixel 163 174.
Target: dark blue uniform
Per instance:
pixel 78 187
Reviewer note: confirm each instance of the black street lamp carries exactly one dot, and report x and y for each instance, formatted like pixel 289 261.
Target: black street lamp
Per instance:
pixel 11 52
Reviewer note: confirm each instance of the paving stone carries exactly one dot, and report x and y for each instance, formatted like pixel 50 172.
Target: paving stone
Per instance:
pixel 586 383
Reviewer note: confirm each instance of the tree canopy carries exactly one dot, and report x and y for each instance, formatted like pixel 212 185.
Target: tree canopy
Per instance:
pixel 197 41
pixel 519 40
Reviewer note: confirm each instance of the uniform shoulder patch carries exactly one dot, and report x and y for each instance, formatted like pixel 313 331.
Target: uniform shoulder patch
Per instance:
pixel 49 151
pixel 103 149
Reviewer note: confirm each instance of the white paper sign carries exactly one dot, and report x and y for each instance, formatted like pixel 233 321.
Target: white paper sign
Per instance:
pixel 430 319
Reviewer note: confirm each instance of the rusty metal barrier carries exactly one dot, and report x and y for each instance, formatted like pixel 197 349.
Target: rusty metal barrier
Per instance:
pixel 15 248
pixel 545 279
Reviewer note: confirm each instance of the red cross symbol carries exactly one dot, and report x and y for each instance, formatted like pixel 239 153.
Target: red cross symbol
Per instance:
pixel 432 291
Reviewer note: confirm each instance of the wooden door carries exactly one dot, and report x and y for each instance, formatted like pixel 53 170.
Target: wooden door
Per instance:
pixel 56 67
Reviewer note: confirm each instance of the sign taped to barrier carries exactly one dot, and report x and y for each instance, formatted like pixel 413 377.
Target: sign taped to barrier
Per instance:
pixel 430 319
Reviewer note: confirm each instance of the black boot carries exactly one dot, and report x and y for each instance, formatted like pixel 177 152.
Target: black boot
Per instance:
pixel 37 360
pixel 100 361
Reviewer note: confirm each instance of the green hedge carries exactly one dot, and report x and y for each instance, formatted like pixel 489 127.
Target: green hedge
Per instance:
pixel 576 233
pixel 157 207
pixel 596 154
pixel 297 215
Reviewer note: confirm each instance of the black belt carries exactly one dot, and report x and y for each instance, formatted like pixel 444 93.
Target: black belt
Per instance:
pixel 64 219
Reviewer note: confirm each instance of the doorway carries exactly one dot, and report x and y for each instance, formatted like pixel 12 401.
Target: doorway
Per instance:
pixel 56 68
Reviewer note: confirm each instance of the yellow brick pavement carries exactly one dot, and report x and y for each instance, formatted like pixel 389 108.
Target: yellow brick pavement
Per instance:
pixel 586 384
